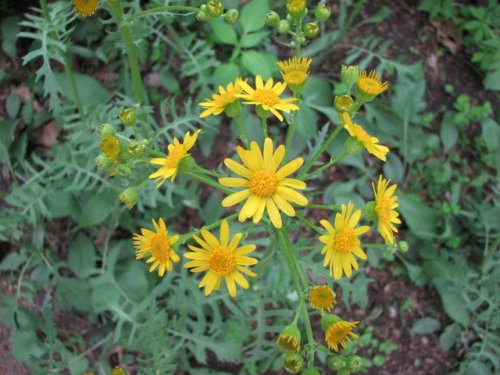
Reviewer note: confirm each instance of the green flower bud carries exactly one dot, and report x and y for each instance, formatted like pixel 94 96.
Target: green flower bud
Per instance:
pixel 349 74
pixel 231 16
pixel 187 163
pixel 343 103
pixel 293 363
pixel 283 27
pixel 311 371
pixel 135 148
pixel 301 39
pixel 202 16
pixel 118 371
pixel 353 146
pixel 129 197
pixel 328 319
pixel 335 362
pixel 106 130
pixel 353 363
pixel 322 12
pixel 128 117
pixel 272 18
pixel 311 29
pixel 103 162
pixel 123 171
pixel 214 8
pixel 233 110
pixel 403 246
pixel 370 212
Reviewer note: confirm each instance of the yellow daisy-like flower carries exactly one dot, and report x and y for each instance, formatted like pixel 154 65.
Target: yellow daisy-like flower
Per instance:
pixel 110 146
pixel 296 7
pixel 342 242
pixel 221 258
pixel 370 84
pixel 295 71
pixel 322 297
pixel 267 96
pixel 266 186
pixel 340 333
pixel 158 246
pixel 385 208
pixel 85 8
pixel 289 339
pixel 176 152
pixel 221 101
pixel 369 143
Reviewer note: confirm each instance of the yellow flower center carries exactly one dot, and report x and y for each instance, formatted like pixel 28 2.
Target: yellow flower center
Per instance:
pixel 174 157
pixel 295 77
pixel 322 297
pixel 110 146
pixel 369 84
pixel 344 240
pixel 383 210
pixel 263 183
pixel 288 343
pixel 338 332
pixel 266 97
pixel 85 8
pixel 160 247
pixel 221 261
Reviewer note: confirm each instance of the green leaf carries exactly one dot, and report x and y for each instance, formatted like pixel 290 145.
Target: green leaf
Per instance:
pixel 225 73
pixel 490 133
pixel 73 293
pixel 420 218
pixel 454 303
pixel 253 39
pixel 81 256
pixel 13 103
pixel 223 32
pixel 90 91
pixel 426 326
pixel 12 261
pixel 10 29
pixel 492 80
pixel 104 296
pixel 449 337
pixel 61 203
pixel 253 14
pixel 256 63
pixel 393 168
pixel 97 209
pixel 449 131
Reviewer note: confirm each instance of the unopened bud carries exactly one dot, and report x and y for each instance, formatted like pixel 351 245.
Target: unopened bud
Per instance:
pixel 128 117
pixel 403 246
pixel 343 103
pixel 135 148
pixel 311 29
pixel 214 8
pixel 129 197
pixel 103 162
pixel 349 74
pixel 118 371
pixel 272 18
pixel 322 12
pixel 202 16
pixel 231 16
pixel 106 130
pixel 335 362
pixel 123 171
pixel 353 363
pixel 293 363
pixel 283 27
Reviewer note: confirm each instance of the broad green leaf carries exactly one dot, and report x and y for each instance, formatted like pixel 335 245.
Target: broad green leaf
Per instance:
pixel 393 168
pixel 492 80
pixel 97 208
pixel 90 90
pixel 252 39
pixel 491 134
pixel 426 326
pixel 420 218
pixel 12 261
pixel 252 15
pixel 223 32
pixel 13 103
pixel 449 131
pixel 224 74
pixel 449 337
pixel 61 203
pixel 81 256
pixel 256 63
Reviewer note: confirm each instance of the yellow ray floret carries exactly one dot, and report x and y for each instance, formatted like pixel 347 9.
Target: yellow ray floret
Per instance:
pixel 340 333
pixel 266 186
pixel 85 8
pixel 369 143
pixel 268 96
pixel 158 246
pixel 176 152
pixel 221 258
pixel 342 242
pixel 220 101
pixel 295 70
pixel 371 83
pixel 385 207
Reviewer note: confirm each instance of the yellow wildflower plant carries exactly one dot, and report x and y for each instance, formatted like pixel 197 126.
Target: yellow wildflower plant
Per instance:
pixel 221 101
pixel 337 331
pixel 222 259
pixel 110 146
pixel 266 186
pixel 289 339
pixel 267 96
pixel 295 72
pixel 85 8
pixel 385 209
pixel 176 153
pixel 370 85
pixel 158 246
pixel 342 242
pixel 322 297
pixel 369 143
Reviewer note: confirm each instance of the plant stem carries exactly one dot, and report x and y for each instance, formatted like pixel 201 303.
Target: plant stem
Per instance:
pixel 291 129
pixel 117 12
pixel 263 121
pixel 208 172
pixel 241 128
pixel 183 238
pixel 208 181
pixel 163 9
pixel 333 207
pixel 318 153
pixel 327 165
pixel 309 224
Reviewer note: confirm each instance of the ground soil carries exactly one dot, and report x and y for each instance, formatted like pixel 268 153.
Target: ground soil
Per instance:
pixel 419 39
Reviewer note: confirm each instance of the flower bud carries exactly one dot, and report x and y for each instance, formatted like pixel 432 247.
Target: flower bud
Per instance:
pixel 123 171
pixel 311 371
pixel 289 339
pixel 297 8
pixel 110 146
pixel 349 74
pixel 343 103
pixel 322 12
pixel 328 319
pixel 106 130
pixel 231 16
pixel 103 162
pixel 369 212
pixel 311 29
pixel 293 363
pixel 202 16
pixel 128 117
pixel 403 246
pixel 272 18
pixel 118 371
pixel 130 196
pixel 135 148
pixel 353 146
pixel 283 27
pixel 214 8
pixel 353 363
pixel 335 362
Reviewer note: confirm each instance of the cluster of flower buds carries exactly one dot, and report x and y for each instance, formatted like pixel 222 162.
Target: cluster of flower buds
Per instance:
pixel 115 371
pixel 213 9
pixel 297 12
pixel 344 365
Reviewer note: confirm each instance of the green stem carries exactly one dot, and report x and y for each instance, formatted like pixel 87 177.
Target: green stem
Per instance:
pixel 183 238
pixel 162 9
pixel 117 12
pixel 263 121
pixel 208 172
pixel 208 181
pixel 318 153
pixel 332 207
pixel 241 128
pixel 291 128
pixel 327 165
pixel 309 224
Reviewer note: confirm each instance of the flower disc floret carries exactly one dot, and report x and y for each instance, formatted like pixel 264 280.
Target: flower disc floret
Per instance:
pixel 266 185
pixel 295 70
pixel 385 208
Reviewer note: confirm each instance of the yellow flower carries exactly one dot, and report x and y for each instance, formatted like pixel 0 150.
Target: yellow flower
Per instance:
pixel 267 96
pixel 295 71
pixel 340 333
pixel 110 146
pixel 176 152
pixel 266 186
pixel 221 101
pixel 158 246
pixel 296 7
pixel 130 196
pixel 85 8
pixel 385 207
pixel 289 339
pixel 342 242
pixel 369 143
pixel 221 258
pixel 322 297
pixel 370 84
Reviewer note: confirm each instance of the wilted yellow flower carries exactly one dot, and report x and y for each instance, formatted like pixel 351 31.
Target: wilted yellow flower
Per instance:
pixel 110 146
pixel 385 208
pixel 289 339
pixel 220 102
pixel 222 259
pixel 158 246
pixel 130 196
pixel 337 331
pixel 342 242
pixel 176 152
pixel 85 8
pixel 322 297
pixel 267 96
pixel 370 85
pixel 266 186
pixel 369 143
pixel 295 72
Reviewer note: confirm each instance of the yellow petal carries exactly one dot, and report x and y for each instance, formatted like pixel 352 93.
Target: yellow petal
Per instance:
pixel 234 198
